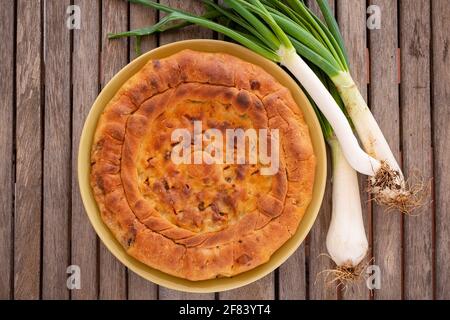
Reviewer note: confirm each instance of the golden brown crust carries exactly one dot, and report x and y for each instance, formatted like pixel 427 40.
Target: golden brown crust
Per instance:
pixel 199 221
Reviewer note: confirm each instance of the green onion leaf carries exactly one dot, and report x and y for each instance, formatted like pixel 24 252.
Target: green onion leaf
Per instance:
pixel 247 14
pixel 332 25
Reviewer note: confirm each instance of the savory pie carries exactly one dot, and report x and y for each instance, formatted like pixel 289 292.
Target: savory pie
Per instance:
pixel 200 221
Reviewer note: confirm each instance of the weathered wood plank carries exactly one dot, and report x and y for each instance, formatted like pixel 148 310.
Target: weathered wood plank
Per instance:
pixel 384 100
pixel 57 152
pixel 27 219
pixel 260 290
pixel 352 22
pixel 168 37
pixel 139 288
pixel 7 15
pixel 167 294
pixel 318 281
pixel 141 16
pixel 441 117
pixel 417 153
pixel 318 288
pixel 114 56
pixel 85 79
pixel 192 32
pixel 292 277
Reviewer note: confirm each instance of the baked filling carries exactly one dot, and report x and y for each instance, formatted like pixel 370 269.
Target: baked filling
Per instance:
pixel 209 219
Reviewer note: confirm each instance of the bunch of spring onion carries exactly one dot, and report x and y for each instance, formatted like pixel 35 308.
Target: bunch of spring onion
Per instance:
pixel 387 182
pixel 284 32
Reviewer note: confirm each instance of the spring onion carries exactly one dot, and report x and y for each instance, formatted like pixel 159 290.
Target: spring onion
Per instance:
pixel 346 240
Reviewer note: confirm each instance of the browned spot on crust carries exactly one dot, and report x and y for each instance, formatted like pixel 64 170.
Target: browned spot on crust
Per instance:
pixel 157 64
pixel 243 100
pixel 255 85
pixel 244 259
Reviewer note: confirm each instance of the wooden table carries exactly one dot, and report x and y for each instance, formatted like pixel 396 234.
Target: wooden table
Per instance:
pixel 50 76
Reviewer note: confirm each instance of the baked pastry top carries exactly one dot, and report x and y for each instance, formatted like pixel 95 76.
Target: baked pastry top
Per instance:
pixel 199 221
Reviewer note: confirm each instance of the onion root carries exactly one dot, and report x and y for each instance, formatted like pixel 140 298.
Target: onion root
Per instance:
pixel 346 275
pixel 389 188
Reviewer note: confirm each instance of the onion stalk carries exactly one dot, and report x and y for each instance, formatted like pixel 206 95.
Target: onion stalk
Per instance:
pixel 284 33
pixel 346 240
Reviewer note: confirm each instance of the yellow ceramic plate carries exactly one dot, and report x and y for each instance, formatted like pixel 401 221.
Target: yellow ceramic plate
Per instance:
pixel 106 236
